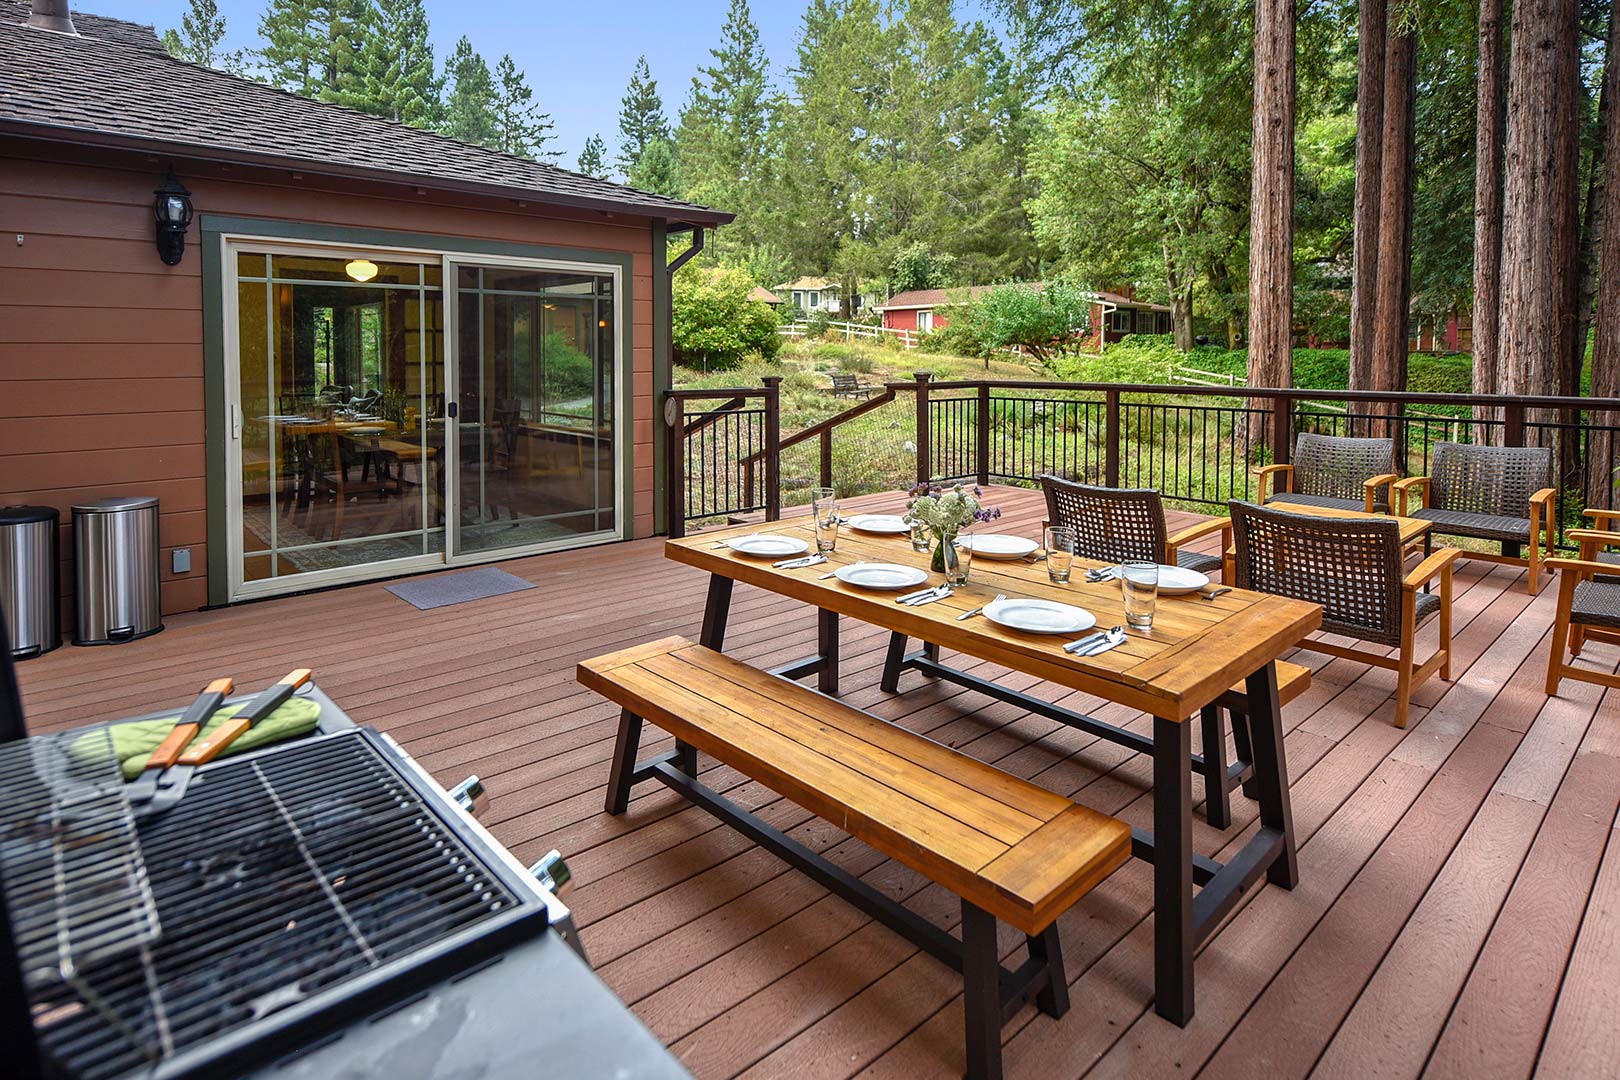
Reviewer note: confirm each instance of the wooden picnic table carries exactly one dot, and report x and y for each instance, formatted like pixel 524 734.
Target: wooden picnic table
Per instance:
pixel 1194 654
pixel 1412 529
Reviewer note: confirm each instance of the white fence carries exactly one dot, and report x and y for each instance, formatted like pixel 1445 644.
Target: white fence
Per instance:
pixel 853 331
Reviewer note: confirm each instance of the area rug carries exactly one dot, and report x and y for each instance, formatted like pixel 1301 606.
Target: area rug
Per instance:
pixel 458 588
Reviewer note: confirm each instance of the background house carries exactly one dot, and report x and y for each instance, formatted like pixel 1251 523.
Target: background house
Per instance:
pixel 809 294
pixel 1112 313
pixel 374 351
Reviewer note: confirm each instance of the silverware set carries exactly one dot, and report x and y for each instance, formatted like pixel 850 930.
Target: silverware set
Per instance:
pixel 1099 642
pixel 1102 573
pixel 926 596
pixel 803 561
pixel 969 614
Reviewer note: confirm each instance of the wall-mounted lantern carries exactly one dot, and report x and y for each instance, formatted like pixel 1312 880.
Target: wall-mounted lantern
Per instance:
pixel 173 213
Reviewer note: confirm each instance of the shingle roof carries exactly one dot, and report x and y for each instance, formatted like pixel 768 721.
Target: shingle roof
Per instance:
pixel 114 85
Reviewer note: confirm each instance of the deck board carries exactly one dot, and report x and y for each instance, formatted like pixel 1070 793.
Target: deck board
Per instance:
pixel 1460 880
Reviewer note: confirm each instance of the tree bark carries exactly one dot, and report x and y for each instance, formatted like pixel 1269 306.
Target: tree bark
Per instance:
pixel 1606 348
pixel 1180 290
pixel 1527 362
pixel 1371 34
pixel 1566 184
pixel 1394 292
pixel 1271 201
pixel 1487 210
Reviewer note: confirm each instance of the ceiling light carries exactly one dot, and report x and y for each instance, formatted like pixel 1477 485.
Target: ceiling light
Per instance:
pixel 361 269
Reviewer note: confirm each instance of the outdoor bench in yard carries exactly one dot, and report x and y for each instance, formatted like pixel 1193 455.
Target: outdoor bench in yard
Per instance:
pixel 851 386
pixel 1011 850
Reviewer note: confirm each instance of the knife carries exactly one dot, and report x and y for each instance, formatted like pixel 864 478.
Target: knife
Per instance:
pixel 185 729
pixel 1081 643
pixel 918 595
pixel 172 784
pixel 939 594
pixel 795 564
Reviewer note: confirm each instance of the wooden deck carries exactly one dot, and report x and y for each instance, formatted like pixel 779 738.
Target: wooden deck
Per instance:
pixel 1458 913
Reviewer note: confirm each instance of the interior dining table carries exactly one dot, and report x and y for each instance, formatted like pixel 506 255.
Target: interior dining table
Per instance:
pixel 1195 652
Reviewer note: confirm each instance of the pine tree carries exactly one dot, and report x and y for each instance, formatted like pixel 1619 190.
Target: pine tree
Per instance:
pixel 593 159
pixel 520 127
pixel 201 39
pixel 657 170
pixel 396 74
pixel 310 45
pixel 469 113
pixel 641 118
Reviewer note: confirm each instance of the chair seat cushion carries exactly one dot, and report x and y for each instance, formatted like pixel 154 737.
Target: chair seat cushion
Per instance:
pixel 1596 603
pixel 1480 526
pixel 1326 501
pixel 1197 560
pixel 1613 559
pixel 1424 604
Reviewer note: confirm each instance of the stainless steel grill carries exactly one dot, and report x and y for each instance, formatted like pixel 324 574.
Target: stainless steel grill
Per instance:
pixel 296 889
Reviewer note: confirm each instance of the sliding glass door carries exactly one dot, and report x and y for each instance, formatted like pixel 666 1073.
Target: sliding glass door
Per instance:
pixel 535 393
pixel 376 426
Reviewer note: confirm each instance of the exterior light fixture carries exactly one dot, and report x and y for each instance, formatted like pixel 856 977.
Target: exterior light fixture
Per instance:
pixel 360 269
pixel 602 323
pixel 172 211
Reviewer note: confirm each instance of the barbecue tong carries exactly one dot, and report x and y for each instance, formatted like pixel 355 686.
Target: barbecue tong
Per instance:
pixel 185 729
pixel 170 787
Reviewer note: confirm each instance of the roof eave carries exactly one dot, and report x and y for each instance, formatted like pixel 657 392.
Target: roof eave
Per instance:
pixel 677 217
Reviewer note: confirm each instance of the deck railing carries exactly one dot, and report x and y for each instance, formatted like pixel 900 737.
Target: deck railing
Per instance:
pixel 1199 445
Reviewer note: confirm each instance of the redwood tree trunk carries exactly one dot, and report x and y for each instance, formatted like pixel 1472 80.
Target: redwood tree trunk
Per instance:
pixel 1566 184
pixel 1371 31
pixel 1394 295
pixel 1271 201
pixel 1606 348
pixel 1527 362
pixel 1180 290
pixel 1487 209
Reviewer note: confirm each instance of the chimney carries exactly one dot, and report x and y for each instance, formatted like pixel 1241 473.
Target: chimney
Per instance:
pixel 51 15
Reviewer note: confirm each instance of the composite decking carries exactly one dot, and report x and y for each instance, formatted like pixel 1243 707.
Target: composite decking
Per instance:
pixel 1458 912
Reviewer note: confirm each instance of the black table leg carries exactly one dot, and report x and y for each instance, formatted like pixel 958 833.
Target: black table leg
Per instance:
pixel 893 662
pixel 715 613
pixel 1271 772
pixel 1174 938
pixel 1217 784
pixel 827 646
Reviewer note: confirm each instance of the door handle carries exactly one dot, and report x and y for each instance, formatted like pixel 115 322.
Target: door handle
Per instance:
pixel 451 410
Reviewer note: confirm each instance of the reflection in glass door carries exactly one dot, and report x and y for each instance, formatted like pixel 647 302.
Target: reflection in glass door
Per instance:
pixel 535 438
pixel 337 390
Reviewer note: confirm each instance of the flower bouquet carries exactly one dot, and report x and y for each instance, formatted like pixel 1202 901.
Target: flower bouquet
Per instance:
pixel 946 512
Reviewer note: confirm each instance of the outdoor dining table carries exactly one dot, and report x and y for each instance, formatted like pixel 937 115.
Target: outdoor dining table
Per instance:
pixel 1196 651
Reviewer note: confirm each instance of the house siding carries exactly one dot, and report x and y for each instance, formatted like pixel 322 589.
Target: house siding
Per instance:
pixel 102 386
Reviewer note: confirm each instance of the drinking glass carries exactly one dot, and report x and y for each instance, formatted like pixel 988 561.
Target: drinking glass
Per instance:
pixel 958 561
pixel 824 506
pixel 921 539
pixel 1140 581
pixel 1059 553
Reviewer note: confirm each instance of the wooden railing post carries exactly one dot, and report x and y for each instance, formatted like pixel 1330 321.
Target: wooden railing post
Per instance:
pixel 1282 429
pixel 1111 435
pixel 826 459
pixel 982 433
pixel 925 454
pixel 773 447
pixel 1513 424
pixel 674 466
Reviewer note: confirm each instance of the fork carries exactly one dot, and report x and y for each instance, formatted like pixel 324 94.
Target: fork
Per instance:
pixel 969 614
pixel 1114 638
pixel 834 573
pixel 1089 640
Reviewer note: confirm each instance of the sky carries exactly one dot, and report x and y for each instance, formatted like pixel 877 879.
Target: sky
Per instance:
pixel 577 56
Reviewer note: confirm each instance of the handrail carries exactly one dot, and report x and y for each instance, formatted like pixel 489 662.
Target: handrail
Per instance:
pixel 1292 392
pixel 834 420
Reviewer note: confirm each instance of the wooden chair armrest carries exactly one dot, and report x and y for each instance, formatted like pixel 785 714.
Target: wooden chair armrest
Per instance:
pixel 1371 486
pixel 1584 566
pixel 1272 470
pixel 1544 496
pixel 1602 537
pixel 1194 532
pixel 1605 518
pixel 1430 568
pixel 1403 489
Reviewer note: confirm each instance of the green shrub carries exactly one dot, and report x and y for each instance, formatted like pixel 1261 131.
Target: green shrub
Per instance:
pixel 715 324
pixel 818 322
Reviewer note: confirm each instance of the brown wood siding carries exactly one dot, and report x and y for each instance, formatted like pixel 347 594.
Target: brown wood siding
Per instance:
pixel 101 389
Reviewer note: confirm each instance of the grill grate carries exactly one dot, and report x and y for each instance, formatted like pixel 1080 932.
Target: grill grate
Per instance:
pixel 281 880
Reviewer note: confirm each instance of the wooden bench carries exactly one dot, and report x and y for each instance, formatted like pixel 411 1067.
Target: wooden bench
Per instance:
pixel 1010 850
pixel 851 386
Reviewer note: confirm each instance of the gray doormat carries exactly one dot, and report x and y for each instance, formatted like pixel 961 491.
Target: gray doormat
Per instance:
pixel 437 592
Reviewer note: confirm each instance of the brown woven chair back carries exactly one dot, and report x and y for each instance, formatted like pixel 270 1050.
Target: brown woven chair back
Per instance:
pixel 1110 524
pixel 1338 467
pixel 1495 480
pixel 1351 566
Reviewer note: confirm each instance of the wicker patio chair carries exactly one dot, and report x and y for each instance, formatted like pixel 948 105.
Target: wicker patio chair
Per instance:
pixel 1588 605
pixel 1354 568
pixel 1117 524
pixel 1328 470
pixel 1501 493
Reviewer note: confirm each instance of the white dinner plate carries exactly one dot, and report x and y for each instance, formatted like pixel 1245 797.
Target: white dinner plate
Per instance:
pixel 880 575
pixel 764 546
pixel 1039 616
pixel 879 523
pixel 1178 580
pixel 997 545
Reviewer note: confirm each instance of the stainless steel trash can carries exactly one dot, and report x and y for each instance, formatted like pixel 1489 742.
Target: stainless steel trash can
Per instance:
pixel 28 593
pixel 115 561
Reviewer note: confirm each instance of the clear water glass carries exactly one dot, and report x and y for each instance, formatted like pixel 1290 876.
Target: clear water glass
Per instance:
pixel 958 561
pixel 921 538
pixel 824 507
pixel 1059 554
pixel 1140 581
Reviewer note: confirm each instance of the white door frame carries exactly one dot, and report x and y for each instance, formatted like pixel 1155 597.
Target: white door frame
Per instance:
pixel 622 412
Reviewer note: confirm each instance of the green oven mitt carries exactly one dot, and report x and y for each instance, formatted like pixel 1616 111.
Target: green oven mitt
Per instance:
pixel 134 740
